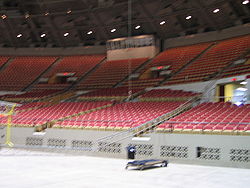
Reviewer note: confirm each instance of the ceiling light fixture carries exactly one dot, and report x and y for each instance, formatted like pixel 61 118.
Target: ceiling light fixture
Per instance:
pixel 162 22
pixel 42 35
pixel 69 11
pixel 245 2
pixel 4 16
pixel 46 13
pixel 65 34
pixel 216 10
pixel 26 15
pixel 90 32
pixel 137 27
pixel 112 30
pixel 19 35
pixel 188 17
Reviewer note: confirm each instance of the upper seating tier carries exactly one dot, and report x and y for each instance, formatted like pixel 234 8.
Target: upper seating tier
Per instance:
pixel 215 59
pixel 110 73
pixel 75 64
pixel 22 71
pixel 176 58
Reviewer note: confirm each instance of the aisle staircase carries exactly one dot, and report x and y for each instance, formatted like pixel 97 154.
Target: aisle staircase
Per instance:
pixel 52 123
pixel 187 64
pixel 35 81
pixel 6 64
pixel 87 74
pixel 137 70
pixel 148 126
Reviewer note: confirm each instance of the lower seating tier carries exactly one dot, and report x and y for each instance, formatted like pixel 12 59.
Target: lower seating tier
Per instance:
pixel 210 117
pixel 121 116
pixel 46 114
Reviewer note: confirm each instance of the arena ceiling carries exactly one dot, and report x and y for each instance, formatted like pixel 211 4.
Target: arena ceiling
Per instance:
pixel 64 23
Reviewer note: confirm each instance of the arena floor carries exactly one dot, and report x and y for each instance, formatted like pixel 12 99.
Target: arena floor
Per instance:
pixel 26 169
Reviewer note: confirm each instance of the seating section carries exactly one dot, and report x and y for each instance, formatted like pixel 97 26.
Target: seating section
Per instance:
pixel 110 73
pixel 161 93
pixel 238 69
pixel 42 86
pixel 78 65
pixel 177 57
pixel 45 114
pixel 142 83
pixel 174 57
pixel 22 71
pixel 104 107
pixel 25 107
pixel 3 60
pixel 75 64
pixel 32 95
pixel 30 106
pixel 214 60
pixel 121 116
pixel 211 117
pixel 109 94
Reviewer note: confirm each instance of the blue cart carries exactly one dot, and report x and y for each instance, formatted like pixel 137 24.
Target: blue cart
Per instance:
pixel 141 164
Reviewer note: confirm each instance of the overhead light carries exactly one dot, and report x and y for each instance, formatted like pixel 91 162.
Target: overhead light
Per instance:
pixel 162 22
pixel 137 27
pixel 244 83
pixel 245 2
pixel 19 35
pixel 90 32
pixel 4 16
pixel 46 13
pixel 112 30
pixel 188 17
pixel 26 15
pixel 241 89
pixel 42 35
pixel 238 103
pixel 216 10
pixel 66 34
pixel 69 11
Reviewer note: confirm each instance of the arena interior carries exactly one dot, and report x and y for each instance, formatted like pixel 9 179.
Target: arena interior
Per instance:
pixel 82 81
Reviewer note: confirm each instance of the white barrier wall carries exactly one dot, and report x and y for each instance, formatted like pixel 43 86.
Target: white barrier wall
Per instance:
pixel 218 150
pixel 200 86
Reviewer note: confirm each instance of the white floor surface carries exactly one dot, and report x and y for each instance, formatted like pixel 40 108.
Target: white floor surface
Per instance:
pixel 26 169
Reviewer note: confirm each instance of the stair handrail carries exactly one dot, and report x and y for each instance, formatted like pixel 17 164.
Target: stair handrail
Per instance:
pixel 153 123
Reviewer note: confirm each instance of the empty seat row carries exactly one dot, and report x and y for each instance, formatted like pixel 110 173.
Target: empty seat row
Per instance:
pixel 211 117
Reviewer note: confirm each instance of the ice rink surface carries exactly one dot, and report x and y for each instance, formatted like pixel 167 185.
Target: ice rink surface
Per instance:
pixel 26 169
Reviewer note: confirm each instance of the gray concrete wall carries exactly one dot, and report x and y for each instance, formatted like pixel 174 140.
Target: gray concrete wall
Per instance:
pixel 208 37
pixel 87 50
pixel 217 150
